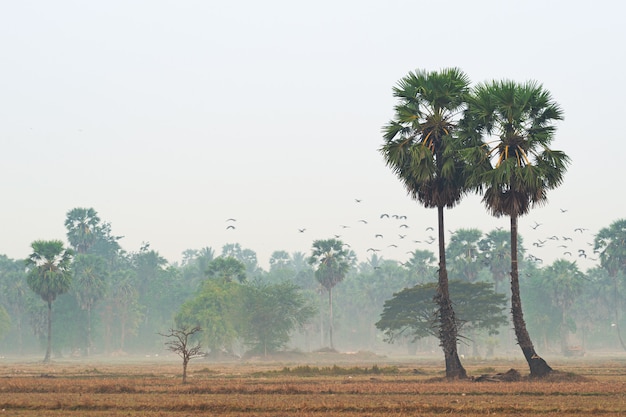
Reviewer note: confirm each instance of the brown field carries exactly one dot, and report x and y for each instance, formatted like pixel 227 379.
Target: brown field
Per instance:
pixel 334 386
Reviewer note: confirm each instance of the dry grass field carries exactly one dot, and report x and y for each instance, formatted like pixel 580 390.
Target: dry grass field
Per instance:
pixel 330 386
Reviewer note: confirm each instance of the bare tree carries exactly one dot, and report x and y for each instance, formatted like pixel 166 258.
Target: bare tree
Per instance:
pixel 179 344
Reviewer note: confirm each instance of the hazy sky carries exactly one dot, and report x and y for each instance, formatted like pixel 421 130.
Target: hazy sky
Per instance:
pixel 169 117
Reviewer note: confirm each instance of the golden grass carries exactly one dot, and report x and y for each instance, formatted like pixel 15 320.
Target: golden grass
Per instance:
pixel 275 389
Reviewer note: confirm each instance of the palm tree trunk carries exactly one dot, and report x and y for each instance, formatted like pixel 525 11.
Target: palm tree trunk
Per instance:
pixel 448 328
pixel 46 359
pixel 88 330
pixel 538 366
pixel 330 317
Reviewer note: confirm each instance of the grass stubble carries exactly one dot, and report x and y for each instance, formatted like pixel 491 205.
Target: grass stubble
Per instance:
pixel 70 388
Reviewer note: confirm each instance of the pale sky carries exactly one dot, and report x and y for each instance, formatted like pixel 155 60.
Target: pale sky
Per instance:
pixel 169 117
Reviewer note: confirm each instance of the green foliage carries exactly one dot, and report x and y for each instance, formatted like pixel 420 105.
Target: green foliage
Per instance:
pixel 272 313
pixel 420 139
pixel 90 279
pixel 5 322
pixel 610 242
pixel 463 254
pixel 226 269
pixel 82 227
pixel 215 309
pixel 49 269
pixel 331 262
pixel 512 161
pixel 413 313
pixel 49 276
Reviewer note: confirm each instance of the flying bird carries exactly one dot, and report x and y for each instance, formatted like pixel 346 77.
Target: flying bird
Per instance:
pixel 301 230
pixel 230 226
pixel 378 235
pixel 358 200
pixel 231 220
pixel 563 210
pixel 535 226
pixel 579 229
pixel 429 228
pixel 384 215
pixel 363 221
pixel 372 250
pixel 401 236
pixel 406 226
pixel 393 246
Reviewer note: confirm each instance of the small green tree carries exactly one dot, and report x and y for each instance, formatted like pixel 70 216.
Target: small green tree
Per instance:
pixel 49 276
pixel 412 311
pixel 179 343
pixel 217 308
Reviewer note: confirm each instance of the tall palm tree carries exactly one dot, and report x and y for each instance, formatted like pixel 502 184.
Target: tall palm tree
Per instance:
pixel 90 275
pixel 421 148
pixel 333 263
pixel 82 226
pixel 514 166
pixel 611 243
pixel 49 276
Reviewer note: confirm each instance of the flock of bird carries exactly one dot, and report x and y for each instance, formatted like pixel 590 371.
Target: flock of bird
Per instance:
pixel 402 238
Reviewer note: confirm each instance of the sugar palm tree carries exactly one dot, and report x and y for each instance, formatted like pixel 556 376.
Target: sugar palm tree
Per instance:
pixel 82 226
pixel 49 276
pixel 332 263
pixel 514 166
pixel 421 148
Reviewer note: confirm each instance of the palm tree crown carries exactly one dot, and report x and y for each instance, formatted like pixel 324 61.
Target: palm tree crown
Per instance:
pixel 419 141
pixel 517 168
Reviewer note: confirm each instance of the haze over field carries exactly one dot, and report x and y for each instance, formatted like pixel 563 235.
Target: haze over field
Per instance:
pixel 169 118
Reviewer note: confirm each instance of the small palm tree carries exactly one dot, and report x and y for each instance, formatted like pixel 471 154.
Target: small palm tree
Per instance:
pixel 514 166
pixel 421 147
pixel 49 276
pixel 333 263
